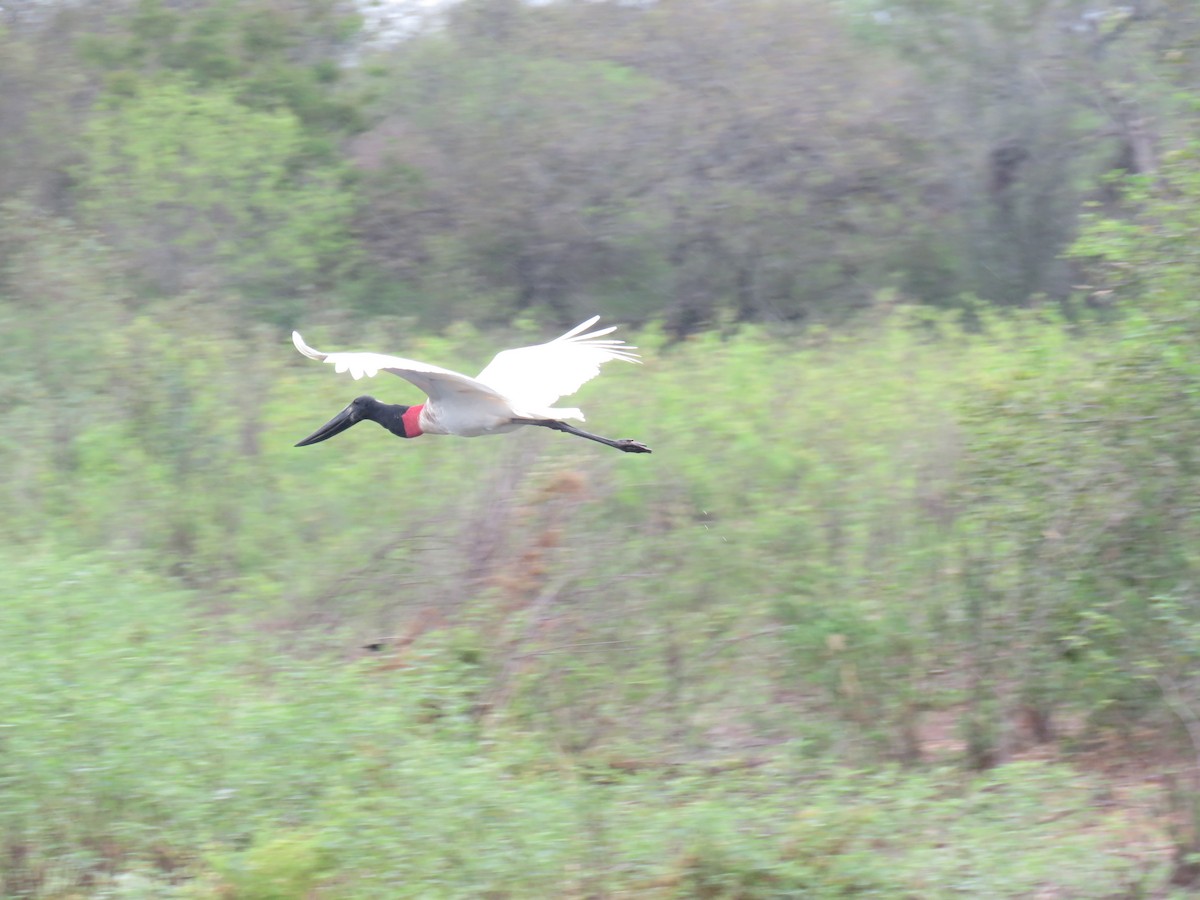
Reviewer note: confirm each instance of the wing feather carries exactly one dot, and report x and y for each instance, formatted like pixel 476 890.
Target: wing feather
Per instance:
pixel 438 383
pixel 533 378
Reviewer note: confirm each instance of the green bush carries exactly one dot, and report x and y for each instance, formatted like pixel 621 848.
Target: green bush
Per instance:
pixel 199 190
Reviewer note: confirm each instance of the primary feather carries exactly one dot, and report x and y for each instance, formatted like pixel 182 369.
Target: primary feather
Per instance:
pixel 530 379
pixel 438 383
pixel 537 376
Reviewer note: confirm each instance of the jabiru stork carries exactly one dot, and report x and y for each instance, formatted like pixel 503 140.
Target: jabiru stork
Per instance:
pixel 518 387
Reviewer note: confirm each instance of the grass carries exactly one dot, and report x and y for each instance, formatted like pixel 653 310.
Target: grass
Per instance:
pixel 146 749
pixel 694 674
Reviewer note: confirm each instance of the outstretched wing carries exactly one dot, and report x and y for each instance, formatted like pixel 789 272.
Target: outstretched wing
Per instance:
pixel 535 377
pixel 440 384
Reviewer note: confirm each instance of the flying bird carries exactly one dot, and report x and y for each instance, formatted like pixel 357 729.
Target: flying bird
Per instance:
pixel 518 387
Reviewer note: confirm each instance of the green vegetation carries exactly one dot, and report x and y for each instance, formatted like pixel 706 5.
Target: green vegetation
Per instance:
pixel 682 163
pixel 195 188
pixel 689 676
pixel 904 603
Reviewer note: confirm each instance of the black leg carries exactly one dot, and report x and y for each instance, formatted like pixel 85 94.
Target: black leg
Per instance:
pixel 626 445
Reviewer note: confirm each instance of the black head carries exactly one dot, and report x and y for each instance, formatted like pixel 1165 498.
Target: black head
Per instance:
pixel 365 407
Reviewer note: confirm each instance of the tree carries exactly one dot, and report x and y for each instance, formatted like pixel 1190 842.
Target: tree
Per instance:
pixel 1080 476
pixel 39 123
pixel 685 160
pixel 201 191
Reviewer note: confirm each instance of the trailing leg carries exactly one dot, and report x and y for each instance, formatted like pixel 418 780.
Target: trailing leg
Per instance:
pixel 626 445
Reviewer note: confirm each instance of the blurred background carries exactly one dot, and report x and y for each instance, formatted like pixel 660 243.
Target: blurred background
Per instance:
pixel 906 601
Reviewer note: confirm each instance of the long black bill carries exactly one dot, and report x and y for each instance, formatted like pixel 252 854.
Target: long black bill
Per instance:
pixel 339 423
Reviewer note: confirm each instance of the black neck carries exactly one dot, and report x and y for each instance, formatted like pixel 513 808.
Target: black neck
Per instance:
pixel 389 415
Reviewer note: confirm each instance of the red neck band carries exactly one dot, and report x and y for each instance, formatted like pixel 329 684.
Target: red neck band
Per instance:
pixel 412 421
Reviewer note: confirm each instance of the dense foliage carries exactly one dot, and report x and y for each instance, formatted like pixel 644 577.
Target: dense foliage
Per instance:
pixel 665 677
pixel 682 161
pixel 896 607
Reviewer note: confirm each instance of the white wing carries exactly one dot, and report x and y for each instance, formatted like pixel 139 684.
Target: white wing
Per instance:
pixel 535 377
pixel 440 384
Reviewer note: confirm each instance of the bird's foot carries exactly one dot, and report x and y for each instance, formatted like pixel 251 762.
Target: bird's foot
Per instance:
pixel 632 446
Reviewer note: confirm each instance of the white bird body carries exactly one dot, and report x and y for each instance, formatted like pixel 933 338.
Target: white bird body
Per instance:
pixel 518 387
pixel 471 415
